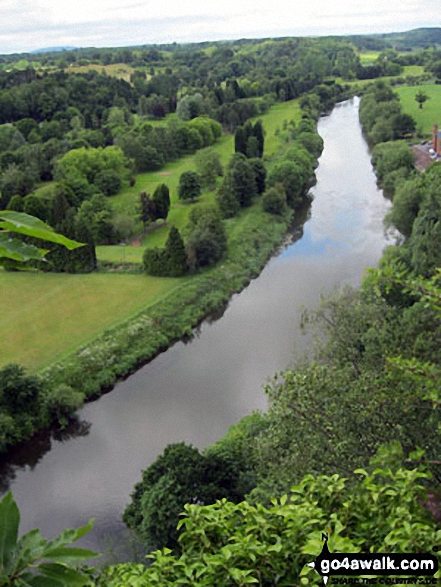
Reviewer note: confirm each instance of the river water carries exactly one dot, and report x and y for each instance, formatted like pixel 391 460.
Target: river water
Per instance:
pixel 194 391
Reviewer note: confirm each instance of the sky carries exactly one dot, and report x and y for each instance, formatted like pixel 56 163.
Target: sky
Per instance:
pixel 33 24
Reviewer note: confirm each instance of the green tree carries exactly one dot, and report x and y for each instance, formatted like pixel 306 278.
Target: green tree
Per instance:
pixel 240 140
pixel 259 134
pixel 274 200
pixel 421 97
pixel 207 241
pixel 226 198
pixel 259 174
pixel 180 475
pixel 16 203
pixel 176 255
pixel 290 175
pixel 240 173
pixel 406 205
pixel 209 167
pixel 161 201
pixel 108 182
pixel 189 186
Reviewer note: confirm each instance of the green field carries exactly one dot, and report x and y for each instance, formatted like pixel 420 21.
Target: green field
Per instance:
pixel 368 57
pixel 50 315
pixel 430 113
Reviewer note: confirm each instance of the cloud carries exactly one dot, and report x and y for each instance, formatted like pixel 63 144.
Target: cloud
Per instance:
pixel 30 24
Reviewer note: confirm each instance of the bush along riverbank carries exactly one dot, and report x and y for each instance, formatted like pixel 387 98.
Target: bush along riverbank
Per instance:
pixel 253 234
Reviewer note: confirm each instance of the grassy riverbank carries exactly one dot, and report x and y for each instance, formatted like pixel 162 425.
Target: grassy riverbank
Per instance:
pixel 253 236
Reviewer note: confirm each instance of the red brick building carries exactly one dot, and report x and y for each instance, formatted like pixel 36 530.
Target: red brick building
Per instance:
pixel 436 140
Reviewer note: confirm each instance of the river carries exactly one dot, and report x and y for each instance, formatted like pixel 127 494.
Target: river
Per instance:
pixel 194 391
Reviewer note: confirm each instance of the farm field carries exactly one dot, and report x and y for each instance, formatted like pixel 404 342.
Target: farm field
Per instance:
pixel 119 70
pixel 430 113
pixel 368 56
pixel 50 315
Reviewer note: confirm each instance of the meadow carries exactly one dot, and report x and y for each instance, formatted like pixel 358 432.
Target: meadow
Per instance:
pixel 51 315
pixel 430 113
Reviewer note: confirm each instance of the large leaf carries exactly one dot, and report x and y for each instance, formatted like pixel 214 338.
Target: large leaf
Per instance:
pixel 17 250
pixel 67 577
pixel 24 224
pixel 9 523
pixel 30 548
pixel 68 536
pixel 65 554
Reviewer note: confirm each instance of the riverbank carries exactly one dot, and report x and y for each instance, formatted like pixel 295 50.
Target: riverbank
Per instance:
pixel 94 368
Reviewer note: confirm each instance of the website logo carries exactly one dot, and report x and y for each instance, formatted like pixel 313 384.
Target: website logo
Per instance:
pixel 329 564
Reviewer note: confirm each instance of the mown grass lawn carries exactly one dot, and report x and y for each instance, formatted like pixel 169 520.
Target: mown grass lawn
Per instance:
pixel 45 316
pixel 430 113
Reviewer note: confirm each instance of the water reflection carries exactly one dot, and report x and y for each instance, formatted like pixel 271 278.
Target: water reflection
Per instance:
pixel 29 454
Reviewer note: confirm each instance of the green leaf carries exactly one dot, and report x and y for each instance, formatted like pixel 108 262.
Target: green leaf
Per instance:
pixel 66 577
pixel 9 523
pixel 68 536
pixel 19 251
pixel 24 224
pixel 64 554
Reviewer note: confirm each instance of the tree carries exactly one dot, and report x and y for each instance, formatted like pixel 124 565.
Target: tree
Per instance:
pixel 406 205
pixel 209 167
pixel 274 200
pixel 290 175
pixel 161 201
pixel 259 174
pixel 180 475
pixel 240 174
pixel 32 560
pixel 176 255
pixel 421 97
pixel 227 199
pixel 240 140
pixel 189 186
pixel 16 203
pixel 258 133
pixel 207 241
pixel 147 212
pixel 108 182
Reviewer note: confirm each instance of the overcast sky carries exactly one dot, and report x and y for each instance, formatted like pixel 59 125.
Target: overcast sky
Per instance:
pixel 33 24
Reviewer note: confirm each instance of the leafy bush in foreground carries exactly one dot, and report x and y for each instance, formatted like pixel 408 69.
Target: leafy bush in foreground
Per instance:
pixel 226 544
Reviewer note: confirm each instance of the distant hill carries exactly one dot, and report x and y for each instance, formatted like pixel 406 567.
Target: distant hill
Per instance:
pixel 422 38
pixel 53 49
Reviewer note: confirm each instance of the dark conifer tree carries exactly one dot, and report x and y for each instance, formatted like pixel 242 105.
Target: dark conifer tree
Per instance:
pixel 259 174
pixel 240 141
pixel 161 201
pixel 258 133
pixel 60 206
pixel 175 253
